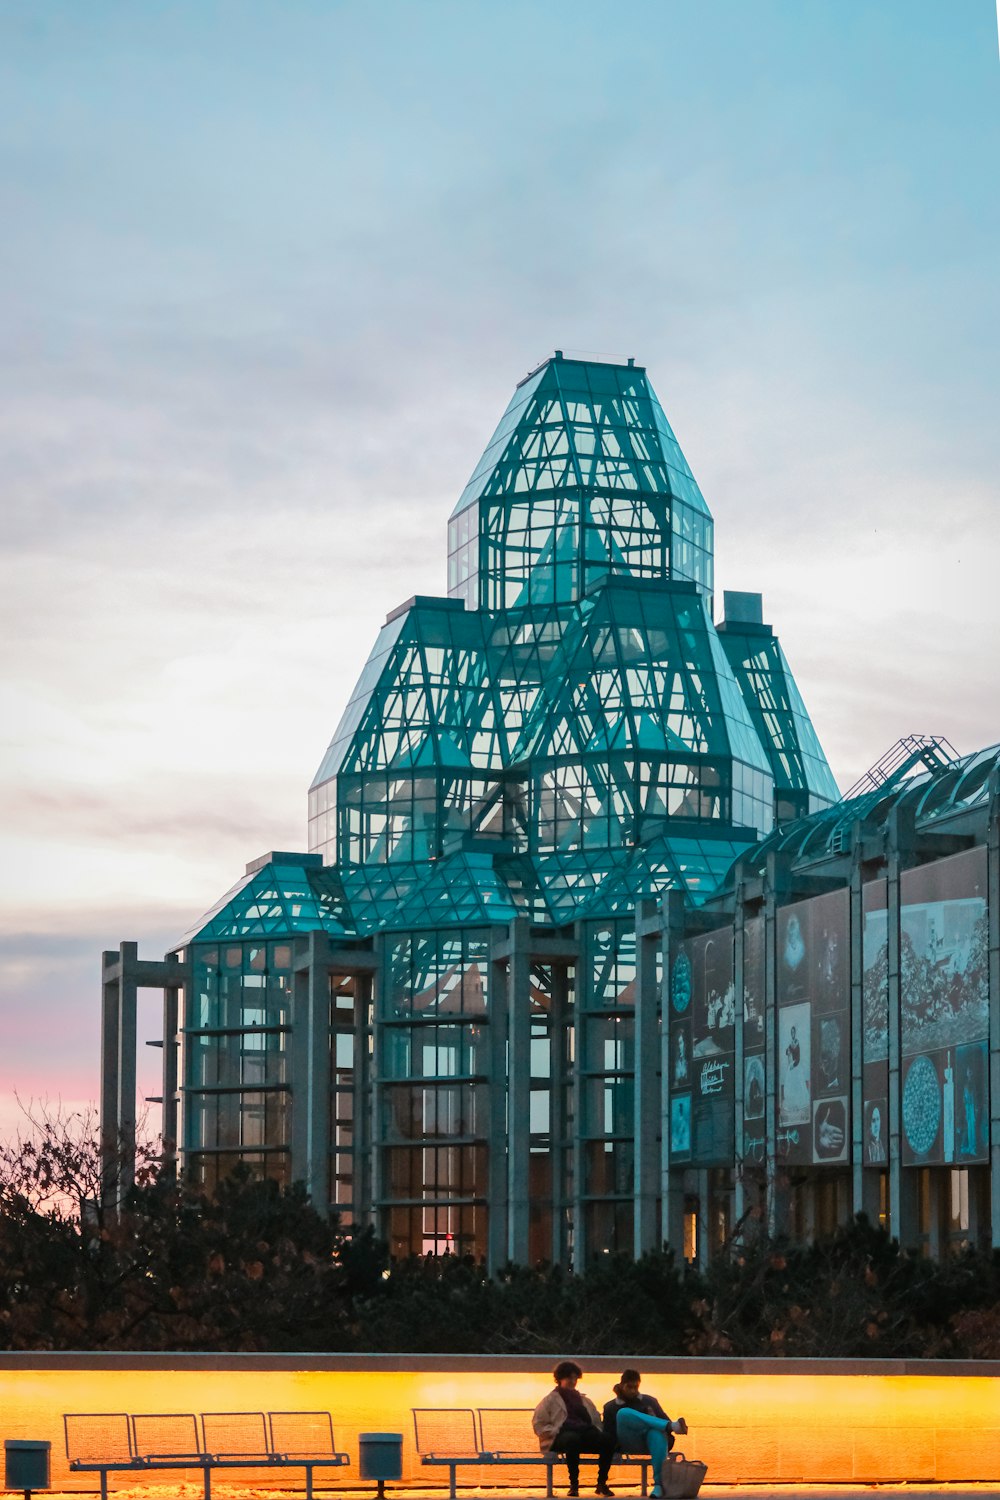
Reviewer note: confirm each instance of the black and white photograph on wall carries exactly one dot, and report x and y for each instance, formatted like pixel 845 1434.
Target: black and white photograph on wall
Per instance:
pixel 829 951
pixel 972 1123
pixel 830 1066
pixel 794 1059
pixel 753 985
pixel 875 972
pixel 924 1110
pixel 713 996
pixel 753 1087
pixel 793 966
pixel 680 1125
pixel 713 1123
pixel 830 1133
pixel 680 1055
pixel 875 1153
pixel 943 953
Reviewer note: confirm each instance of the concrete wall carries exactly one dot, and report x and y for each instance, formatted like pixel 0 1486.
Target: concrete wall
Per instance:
pixel 751 1420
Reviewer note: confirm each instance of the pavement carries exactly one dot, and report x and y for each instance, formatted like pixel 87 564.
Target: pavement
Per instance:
pixel 919 1490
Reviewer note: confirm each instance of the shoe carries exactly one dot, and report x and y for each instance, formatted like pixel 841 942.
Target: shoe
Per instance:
pixel 573 1492
pixel 655 1493
pixel 602 1489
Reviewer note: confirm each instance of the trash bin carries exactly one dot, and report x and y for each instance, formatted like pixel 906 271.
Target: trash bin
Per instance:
pixel 26 1464
pixel 380 1456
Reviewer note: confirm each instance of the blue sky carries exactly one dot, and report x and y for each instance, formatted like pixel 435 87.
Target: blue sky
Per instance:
pixel 269 272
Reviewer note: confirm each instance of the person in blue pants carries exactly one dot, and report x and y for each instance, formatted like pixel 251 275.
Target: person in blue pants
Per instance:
pixel 639 1424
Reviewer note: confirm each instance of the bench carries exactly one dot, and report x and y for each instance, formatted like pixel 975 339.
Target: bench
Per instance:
pixel 109 1442
pixel 492 1435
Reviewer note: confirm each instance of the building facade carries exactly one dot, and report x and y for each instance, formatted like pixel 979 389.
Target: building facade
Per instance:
pixel 587 952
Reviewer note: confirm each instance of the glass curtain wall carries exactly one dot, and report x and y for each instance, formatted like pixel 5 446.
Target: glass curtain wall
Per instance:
pixel 236 1100
pixel 434 1071
pixel 606 1087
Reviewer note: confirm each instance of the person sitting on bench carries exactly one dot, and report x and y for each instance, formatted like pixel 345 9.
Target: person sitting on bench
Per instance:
pixel 566 1421
pixel 638 1424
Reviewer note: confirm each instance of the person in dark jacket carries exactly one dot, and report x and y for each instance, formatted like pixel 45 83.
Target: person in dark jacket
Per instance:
pixel 639 1424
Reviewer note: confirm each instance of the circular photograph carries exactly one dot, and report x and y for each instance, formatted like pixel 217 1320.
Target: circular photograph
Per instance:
pixel 680 984
pixel 921 1105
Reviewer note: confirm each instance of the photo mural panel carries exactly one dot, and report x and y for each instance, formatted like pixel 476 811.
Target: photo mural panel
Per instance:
pixel 702 1045
pixel 681 986
pixel 875 1027
pixel 944 983
pixel 814 1051
pixel 754 1043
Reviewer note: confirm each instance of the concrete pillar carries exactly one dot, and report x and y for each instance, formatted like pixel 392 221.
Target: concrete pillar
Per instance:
pixel 518 1091
pixel 498 1103
pixel 776 887
pixel 311 1067
pixel 739 1145
pixel 993 929
pixel 370 1117
pixel 174 997
pixel 864 1185
pixel 647 1084
pixel 903 1186
pixel 583 1001
pixel 110 1027
pixel 671 1177
pixel 558 1144
pixel 367 997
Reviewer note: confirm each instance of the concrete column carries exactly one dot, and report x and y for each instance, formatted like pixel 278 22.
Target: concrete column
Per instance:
pixel 584 991
pixel 903 1187
pixel 110 1027
pixel 128 994
pixel 648 940
pixel 558 1146
pixel 993 929
pixel 864 1185
pixel 311 1067
pixel 518 1091
pixel 739 1144
pixel 370 1118
pixel 367 995
pixel 671 1177
pixel 172 1001
pixel 498 1102
pixel 776 887
pixel 704 1218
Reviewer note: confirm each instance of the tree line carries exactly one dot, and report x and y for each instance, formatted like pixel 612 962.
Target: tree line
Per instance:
pixel 254 1267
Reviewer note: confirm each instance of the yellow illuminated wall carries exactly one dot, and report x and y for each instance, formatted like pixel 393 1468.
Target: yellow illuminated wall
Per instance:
pixel 750 1420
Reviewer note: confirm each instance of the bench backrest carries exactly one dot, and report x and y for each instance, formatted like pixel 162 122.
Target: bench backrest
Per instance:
pixel 234 1434
pixel 166 1435
pixel 451 1433
pixel 98 1437
pixel 301 1434
pixel 507 1429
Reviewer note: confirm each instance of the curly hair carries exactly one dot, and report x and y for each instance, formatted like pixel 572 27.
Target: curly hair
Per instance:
pixel 564 1369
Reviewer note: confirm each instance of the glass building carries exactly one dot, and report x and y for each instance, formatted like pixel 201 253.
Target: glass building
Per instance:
pixel 529 995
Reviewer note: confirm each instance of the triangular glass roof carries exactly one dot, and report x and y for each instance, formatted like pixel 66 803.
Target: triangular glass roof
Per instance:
pixel 580 424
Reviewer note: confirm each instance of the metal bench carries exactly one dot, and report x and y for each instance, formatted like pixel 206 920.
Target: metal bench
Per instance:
pixel 492 1435
pixel 103 1443
pixel 447 1438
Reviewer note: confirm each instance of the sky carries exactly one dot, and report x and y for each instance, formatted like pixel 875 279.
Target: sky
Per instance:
pixel 269 273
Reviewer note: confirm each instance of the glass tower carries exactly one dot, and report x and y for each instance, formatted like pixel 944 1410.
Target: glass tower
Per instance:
pixel 431 1016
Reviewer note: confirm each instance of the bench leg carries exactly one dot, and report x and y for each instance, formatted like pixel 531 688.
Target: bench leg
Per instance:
pixel 309 1481
pixel 548 1480
pixel 208 1482
pixel 644 1489
pixel 104 1484
pixel 452 1481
